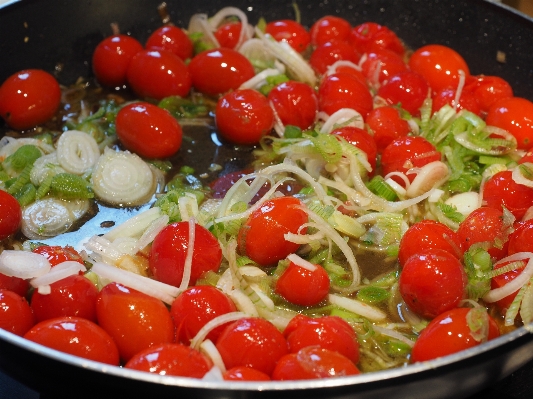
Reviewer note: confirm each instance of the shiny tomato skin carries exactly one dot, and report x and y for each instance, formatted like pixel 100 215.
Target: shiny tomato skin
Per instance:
pixel 158 74
pixel 251 342
pixel 329 28
pixel 446 334
pixel 195 307
pixel 514 114
pixel 342 90
pixel 57 254
pixel 328 53
pixel 295 103
pixel 71 296
pixel 428 234
pixel 244 116
pixel 149 131
pixel 76 336
pixel 241 373
pixel 501 190
pixel 432 281
pixel 171 359
pixel 371 36
pixel 15 284
pixel 10 215
pixel 386 125
pixel 290 31
pixel 228 34
pixel 381 64
pixel 408 89
pixel 439 65
pixel 16 315
pixel 488 90
pixel 467 100
pixel 261 237
pixel 361 139
pixel 111 59
pixel 501 280
pixel 173 39
pixel 133 319
pixel 303 287
pixel 220 70
pixel 313 363
pixel 28 98
pixel 169 251
pixel 521 239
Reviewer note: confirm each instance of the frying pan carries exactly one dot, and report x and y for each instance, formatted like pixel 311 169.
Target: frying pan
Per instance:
pixel 60 35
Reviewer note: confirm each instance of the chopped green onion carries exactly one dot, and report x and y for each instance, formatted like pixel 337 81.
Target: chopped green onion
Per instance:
pixel 70 186
pixel 381 188
pixel 372 294
pixel 23 156
pixel 292 132
pixel 26 195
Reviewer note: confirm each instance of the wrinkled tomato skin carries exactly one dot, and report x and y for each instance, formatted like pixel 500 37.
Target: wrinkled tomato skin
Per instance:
pixel 361 139
pixel 134 320
pixel 169 251
pixel 380 65
pixel 15 284
pixel 245 374
pixel 329 28
pixel 446 334
pixel 16 315
pixel 407 88
pixel 76 336
pixel 57 254
pixel 10 215
pixel 171 359
pixel 501 190
pixel 295 103
pixel 386 124
pixel 303 287
pixel 501 280
pixel 514 114
pixel 252 342
pixel 328 53
pixel 290 31
pixel 371 36
pixel 173 39
pixel 342 90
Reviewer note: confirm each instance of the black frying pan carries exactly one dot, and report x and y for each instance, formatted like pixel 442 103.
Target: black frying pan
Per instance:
pixel 47 33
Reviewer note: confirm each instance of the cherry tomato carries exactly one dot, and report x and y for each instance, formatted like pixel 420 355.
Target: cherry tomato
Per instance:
pixel 220 70
pixel 303 287
pixel 15 284
pixel 328 53
pixel 196 306
pixel 169 251
pixel 501 190
pixel 313 363
pixel 290 31
pixel 251 342
pixel 449 333
pixel 382 64
pixel 158 74
pixel 76 336
pixel 111 59
pixel 228 34
pixel 57 254
pixel 488 90
pixel 501 280
pixel 386 124
pixel 148 130
pixel 71 296
pixel 173 39
pixel 16 315
pixel 295 103
pixel 329 28
pixel 342 90
pixel 29 98
pixel 133 319
pixel 428 234
pixel 171 359
pixel 261 237
pixel 244 116
pixel 467 100
pixel 360 139
pixel 439 65
pixel 371 36
pixel 245 374
pixel 528 157
pixel 408 89
pixel 432 281
pixel 352 70
pixel 10 215
pixel 514 114
pixel 521 239
pixel 327 332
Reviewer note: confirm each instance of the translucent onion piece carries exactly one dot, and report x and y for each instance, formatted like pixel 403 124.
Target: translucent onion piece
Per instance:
pixel 260 79
pixel 77 152
pixel 462 138
pixel 343 117
pixel 269 304
pixel 301 262
pixel 213 375
pixel 429 176
pixel 8 145
pixel 78 207
pixel 332 69
pixel 45 166
pixel 151 232
pixel 199 24
pixel 519 178
pixel 23 264
pixel 515 284
pixel 122 178
pixel 279 127
pixel 45 218
pixel 58 272
pixel 135 226
pixel 526 308
pixel 243 302
pixel 228 12
pixel 465 203
pixel 393 334
pixel 210 350
pixel 357 307
pixel 187 266
pixel 214 323
pixel 256 51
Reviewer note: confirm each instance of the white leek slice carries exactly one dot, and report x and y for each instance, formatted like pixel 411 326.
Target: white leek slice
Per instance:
pixel 210 350
pixel 23 264
pixel 8 145
pixel 465 203
pixel 519 177
pixel 214 323
pixel 256 51
pixel 225 12
pixel 122 178
pixel 135 226
pixel 57 273
pixel 298 261
pixel 357 307
pixel 343 117
pixel 77 152
pixel 45 166
pixel 514 285
pixel 44 218
pixel 260 79
pixel 199 24
pixel 429 176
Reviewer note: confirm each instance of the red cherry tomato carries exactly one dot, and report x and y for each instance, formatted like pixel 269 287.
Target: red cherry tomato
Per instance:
pixel 352 70
pixel 360 139
pixel 386 124
pixel 76 336
pixel 173 39
pixel 158 74
pixel 220 70
pixel 488 90
pixel 432 281
pixel 381 64
pixel 342 90
pixel 244 116
pixel 449 333
pixel 467 100
pixel 133 319
pixel 501 190
pixel 10 215
pixel 261 237
pixel 501 280
pixel 252 342
pixel 295 103
pixel 245 374
pixel 169 251
pixel 149 131
pixel 528 157
pixel 313 363
pixel 15 284
pixel 328 53
pixel 171 359
pixel 303 287
pixel 439 65
pixel 111 59
pixel 16 315
pixel 408 89
pixel 290 31
pixel 521 239
pixel 196 306
pixel 329 28
pixel 428 234
pixel 228 34
pixel 327 332
pixel 71 296
pixel 371 36
pixel 514 114
pixel 29 98
pixel 57 254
